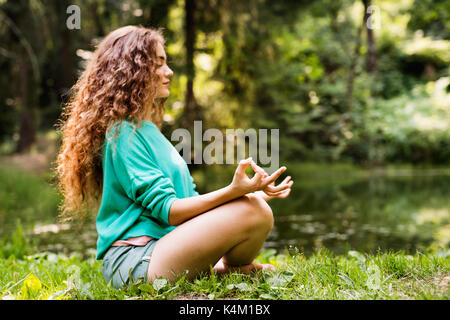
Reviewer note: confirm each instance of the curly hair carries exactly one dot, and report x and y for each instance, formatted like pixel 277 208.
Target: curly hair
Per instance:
pixel 118 83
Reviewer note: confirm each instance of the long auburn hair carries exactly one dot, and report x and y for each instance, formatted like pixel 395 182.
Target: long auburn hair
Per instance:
pixel 118 83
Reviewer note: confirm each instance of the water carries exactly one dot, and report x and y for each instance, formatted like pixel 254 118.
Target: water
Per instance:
pixel 397 211
pixel 400 211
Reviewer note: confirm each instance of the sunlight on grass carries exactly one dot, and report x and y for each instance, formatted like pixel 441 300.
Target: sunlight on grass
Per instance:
pixel 391 275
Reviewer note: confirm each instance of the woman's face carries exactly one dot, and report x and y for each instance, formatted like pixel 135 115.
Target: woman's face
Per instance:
pixel 164 73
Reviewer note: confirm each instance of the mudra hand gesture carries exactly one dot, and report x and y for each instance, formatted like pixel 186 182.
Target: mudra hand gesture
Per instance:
pixel 261 183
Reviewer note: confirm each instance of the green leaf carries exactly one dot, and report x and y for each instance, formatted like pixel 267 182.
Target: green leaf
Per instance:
pixel 31 286
pixel 281 279
pixel 243 287
pixel 145 287
pixel 267 254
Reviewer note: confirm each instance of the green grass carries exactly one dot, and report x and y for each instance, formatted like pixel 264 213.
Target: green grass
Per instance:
pixel 25 197
pixel 323 275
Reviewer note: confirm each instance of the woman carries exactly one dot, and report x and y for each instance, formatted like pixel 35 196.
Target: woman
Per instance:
pixel 151 222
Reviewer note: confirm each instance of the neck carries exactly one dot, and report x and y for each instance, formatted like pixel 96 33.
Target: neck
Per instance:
pixel 150 113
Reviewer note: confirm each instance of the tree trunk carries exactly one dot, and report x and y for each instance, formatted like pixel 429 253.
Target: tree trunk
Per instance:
pixel 66 79
pixel 25 73
pixel 371 53
pixel 190 113
pixel 352 71
pixel 27 130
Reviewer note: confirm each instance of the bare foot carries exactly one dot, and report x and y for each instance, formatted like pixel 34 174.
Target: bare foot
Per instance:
pixel 223 268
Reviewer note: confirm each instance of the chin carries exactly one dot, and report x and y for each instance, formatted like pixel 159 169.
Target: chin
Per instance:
pixel 164 94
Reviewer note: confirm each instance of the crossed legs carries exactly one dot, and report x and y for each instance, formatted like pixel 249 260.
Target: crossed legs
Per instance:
pixel 229 235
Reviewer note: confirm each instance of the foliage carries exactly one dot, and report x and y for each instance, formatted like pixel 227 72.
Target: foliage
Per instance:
pixel 300 66
pixel 432 17
pixel 411 126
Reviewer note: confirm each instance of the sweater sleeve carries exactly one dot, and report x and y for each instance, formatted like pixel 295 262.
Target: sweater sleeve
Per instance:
pixel 141 177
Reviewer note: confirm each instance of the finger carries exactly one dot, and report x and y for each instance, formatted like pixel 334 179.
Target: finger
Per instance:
pixel 284 194
pixel 276 191
pixel 257 168
pixel 284 182
pixel 274 194
pixel 281 194
pixel 278 194
pixel 256 178
pixel 274 176
pixel 243 164
pixel 278 188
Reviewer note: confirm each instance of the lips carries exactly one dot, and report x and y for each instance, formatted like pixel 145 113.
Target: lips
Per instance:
pixel 166 83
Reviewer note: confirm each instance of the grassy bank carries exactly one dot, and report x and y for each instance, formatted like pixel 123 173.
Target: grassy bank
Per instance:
pixel 394 275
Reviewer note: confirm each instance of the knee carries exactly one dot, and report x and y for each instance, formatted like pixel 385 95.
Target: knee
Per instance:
pixel 258 212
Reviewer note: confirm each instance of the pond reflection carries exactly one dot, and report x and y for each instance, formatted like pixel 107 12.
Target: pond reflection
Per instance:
pixel 365 214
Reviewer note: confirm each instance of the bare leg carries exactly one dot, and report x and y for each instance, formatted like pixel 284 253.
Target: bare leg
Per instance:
pixel 234 231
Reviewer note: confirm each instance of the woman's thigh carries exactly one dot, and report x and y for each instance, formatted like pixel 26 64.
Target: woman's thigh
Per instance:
pixel 240 225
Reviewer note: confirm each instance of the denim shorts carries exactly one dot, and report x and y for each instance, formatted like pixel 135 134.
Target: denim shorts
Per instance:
pixel 124 265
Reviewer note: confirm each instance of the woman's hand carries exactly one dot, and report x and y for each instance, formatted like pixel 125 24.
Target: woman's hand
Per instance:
pixel 242 184
pixel 281 191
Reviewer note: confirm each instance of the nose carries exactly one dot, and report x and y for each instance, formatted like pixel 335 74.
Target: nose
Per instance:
pixel 169 72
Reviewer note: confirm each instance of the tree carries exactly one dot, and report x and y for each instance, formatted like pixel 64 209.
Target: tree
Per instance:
pixel 191 112
pixel 25 70
pixel 371 54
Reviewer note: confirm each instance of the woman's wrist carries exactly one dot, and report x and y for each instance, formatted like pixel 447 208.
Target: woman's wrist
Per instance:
pixel 233 192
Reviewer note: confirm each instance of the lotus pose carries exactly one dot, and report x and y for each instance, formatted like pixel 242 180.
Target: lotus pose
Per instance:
pixel 151 222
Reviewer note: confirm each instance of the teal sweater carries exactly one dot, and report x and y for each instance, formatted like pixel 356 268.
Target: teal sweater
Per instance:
pixel 143 174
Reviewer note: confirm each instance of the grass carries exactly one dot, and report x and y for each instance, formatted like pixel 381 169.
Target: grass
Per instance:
pixel 26 197
pixel 27 272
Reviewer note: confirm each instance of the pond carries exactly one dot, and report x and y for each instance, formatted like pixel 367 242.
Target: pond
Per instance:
pixel 401 210
pixel 370 211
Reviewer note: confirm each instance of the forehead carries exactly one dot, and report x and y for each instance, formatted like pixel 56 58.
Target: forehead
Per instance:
pixel 160 53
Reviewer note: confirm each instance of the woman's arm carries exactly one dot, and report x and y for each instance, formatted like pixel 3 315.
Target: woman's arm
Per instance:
pixel 184 209
pixel 187 208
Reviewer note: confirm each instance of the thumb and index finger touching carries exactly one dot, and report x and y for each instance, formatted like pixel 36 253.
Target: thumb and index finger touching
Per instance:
pixel 243 164
pixel 267 179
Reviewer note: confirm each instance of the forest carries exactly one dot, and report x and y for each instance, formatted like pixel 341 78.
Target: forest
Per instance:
pixel 350 81
pixel 358 91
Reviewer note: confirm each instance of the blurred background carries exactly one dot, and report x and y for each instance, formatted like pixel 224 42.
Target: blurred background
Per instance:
pixel 358 89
